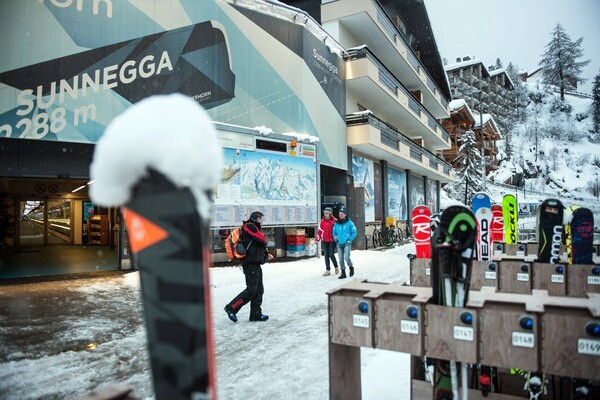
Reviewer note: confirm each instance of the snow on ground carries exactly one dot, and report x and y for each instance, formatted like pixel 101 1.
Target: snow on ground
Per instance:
pixel 283 358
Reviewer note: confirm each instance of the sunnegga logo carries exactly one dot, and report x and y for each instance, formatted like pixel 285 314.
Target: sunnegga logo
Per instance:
pixel 332 68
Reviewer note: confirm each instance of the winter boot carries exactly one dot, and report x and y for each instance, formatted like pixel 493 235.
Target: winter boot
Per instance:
pixel 337 270
pixel 342 275
pixel 351 271
pixel 230 314
pixel 327 273
pixel 261 318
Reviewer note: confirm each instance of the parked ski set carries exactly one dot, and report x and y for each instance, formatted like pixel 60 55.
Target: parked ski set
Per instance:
pixel 462 234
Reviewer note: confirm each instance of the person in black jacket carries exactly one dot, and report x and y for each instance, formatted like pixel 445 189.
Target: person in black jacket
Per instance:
pixel 256 255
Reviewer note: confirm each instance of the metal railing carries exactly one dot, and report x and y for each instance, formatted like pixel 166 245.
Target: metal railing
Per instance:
pixel 386 22
pixel 389 80
pixel 390 136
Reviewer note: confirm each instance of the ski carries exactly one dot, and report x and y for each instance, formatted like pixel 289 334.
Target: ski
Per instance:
pixel 567 234
pixel 422 231
pixel 550 231
pixel 171 248
pixel 479 200
pixel 509 211
pixel 484 253
pixel 497 223
pixel 581 234
pixel 452 248
pixel 166 213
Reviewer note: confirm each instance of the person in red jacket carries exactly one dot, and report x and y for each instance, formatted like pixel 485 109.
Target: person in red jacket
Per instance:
pixel 325 234
pixel 256 254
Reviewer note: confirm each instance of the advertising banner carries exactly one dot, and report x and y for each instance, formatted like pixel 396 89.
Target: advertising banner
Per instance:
pixel 362 170
pixel 70 67
pixel 397 194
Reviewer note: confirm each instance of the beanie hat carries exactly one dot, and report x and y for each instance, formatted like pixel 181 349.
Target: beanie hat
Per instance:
pixel 344 210
pixel 328 210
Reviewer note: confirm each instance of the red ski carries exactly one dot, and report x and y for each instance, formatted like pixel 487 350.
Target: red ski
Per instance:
pixel 422 231
pixel 497 223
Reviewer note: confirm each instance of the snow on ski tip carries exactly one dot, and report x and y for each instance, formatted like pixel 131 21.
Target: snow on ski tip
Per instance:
pixel 158 132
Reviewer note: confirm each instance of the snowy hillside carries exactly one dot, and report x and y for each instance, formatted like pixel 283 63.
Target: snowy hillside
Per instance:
pixel 567 157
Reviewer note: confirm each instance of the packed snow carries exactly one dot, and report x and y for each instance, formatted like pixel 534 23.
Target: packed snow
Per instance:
pixel 103 340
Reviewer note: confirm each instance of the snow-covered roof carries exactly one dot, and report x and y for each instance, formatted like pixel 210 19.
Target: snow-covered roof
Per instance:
pixel 457 104
pixel 500 71
pixel 487 118
pixel 464 64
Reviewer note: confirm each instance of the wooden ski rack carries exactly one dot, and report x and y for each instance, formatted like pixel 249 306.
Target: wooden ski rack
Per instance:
pixel 559 338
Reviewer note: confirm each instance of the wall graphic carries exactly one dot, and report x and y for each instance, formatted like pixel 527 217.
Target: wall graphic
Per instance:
pixel 432 199
pixel 417 191
pixel 362 170
pixel 397 206
pixel 70 67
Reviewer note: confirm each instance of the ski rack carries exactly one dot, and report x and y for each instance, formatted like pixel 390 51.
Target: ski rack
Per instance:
pixel 521 274
pixel 401 318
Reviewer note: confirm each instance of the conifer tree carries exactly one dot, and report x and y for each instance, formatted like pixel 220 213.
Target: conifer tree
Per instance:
pixel 469 163
pixel 596 103
pixel 560 64
pixel 498 64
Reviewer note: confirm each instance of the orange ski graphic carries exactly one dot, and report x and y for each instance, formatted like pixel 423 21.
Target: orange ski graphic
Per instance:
pixel 143 233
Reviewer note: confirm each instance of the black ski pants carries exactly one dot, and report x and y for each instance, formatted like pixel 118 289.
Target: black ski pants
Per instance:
pixel 253 293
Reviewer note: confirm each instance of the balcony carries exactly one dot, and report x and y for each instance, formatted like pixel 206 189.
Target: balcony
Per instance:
pixel 372 137
pixel 358 22
pixel 376 88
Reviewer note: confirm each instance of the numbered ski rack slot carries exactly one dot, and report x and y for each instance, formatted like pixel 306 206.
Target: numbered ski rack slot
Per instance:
pixel 576 349
pixel 531 248
pixel 514 277
pixel 351 314
pixel 484 273
pixel 420 272
pixel 550 277
pixel 399 318
pixel 535 332
pixel 509 328
pixel 510 249
pixel 452 333
pixel 583 279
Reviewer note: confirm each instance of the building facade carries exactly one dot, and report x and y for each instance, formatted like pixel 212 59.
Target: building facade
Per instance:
pixel 290 90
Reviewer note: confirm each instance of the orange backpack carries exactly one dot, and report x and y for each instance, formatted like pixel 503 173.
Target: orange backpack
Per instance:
pixel 234 246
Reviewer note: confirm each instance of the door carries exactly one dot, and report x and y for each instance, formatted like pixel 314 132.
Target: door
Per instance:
pixel 32 222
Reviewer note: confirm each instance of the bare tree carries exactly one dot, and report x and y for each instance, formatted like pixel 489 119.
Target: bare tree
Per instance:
pixel 594 187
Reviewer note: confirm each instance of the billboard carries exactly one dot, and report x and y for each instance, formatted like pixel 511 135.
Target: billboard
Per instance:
pixel 397 206
pixel 70 67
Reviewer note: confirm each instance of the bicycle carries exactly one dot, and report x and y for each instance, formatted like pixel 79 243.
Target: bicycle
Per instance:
pixel 377 237
pixel 393 235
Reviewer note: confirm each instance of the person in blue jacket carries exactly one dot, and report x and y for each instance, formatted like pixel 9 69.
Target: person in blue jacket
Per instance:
pixel 344 232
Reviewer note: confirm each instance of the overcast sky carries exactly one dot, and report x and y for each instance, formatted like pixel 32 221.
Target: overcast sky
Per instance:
pixel 515 31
